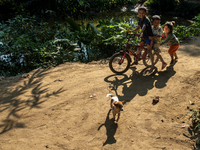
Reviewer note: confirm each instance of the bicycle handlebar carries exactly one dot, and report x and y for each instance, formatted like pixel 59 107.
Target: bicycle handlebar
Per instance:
pixel 128 36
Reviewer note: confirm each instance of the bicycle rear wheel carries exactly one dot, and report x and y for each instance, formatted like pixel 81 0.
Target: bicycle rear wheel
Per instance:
pixel 119 64
pixel 147 60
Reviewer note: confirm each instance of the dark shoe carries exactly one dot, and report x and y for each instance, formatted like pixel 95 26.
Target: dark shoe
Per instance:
pixel 135 62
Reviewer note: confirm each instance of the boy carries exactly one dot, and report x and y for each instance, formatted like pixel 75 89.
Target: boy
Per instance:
pixel 157 32
pixel 145 25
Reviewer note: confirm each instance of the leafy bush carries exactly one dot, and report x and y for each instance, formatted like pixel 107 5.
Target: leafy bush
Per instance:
pixel 59 9
pixel 183 32
pixel 113 36
pixel 29 43
pixel 195 117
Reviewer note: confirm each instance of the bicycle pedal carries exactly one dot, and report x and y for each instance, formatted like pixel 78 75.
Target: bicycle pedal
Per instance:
pixel 136 62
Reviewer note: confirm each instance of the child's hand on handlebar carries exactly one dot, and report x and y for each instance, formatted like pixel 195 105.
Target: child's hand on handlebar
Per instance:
pixel 138 34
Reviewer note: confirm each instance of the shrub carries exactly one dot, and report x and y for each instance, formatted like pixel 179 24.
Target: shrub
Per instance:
pixel 183 32
pixel 195 117
pixel 29 43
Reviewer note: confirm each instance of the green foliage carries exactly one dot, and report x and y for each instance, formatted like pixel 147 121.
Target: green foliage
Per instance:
pixel 113 36
pixel 59 9
pixel 197 20
pixel 29 43
pixel 195 117
pixel 183 32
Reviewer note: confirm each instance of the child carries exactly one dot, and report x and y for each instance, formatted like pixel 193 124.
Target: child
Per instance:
pixel 171 40
pixel 157 32
pixel 145 25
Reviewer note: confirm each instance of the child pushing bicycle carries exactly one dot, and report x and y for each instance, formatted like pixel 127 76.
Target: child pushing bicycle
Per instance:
pixel 171 40
pixel 157 32
pixel 145 25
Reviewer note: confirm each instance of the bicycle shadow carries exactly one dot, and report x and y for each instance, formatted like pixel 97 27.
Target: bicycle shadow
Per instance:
pixel 139 82
pixel 111 129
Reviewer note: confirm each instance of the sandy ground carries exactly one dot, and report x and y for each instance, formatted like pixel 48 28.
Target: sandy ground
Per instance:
pixel 65 108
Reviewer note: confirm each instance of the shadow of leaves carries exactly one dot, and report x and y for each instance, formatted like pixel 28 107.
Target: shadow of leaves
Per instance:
pixel 11 103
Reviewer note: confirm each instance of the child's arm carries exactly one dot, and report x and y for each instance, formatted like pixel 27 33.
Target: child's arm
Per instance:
pixel 136 29
pixel 169 36
pixel 142 30
pixel 154 37
pixel 163 35
pixel 158 35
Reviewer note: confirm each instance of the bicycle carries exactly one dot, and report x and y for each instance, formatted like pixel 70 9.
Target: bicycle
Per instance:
pixel 120 62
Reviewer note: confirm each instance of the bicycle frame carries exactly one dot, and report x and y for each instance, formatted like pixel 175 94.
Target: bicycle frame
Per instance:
pixel 128 47
pixel 124 57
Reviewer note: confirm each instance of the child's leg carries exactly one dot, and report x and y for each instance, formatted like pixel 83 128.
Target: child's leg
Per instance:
pixel 160 57
pixel 151 56
pixel 137 53
pixel 164 64
pixel 172 52
pixel 157 50
pixel 176 57
pixel 139 49
pixel 172 60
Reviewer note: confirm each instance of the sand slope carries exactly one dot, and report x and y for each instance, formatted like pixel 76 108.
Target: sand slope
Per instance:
pixel 66 108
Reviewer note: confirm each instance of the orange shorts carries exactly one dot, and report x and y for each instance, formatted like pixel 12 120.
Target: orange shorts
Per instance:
pixel 173 49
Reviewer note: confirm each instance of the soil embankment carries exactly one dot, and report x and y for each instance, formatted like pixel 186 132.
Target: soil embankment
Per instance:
pixel 66 107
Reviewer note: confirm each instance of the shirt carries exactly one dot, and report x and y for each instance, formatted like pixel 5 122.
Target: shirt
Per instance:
pixel 157 32
pixel 148 31
pixel 170 40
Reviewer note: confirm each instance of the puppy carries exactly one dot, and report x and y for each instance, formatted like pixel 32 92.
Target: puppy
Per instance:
pixel 116 106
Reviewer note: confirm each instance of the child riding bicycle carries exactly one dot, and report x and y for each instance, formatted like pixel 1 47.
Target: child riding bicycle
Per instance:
pixel 157 32
pixel 145 25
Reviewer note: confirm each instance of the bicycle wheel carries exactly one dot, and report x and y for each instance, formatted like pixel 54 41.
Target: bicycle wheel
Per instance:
pixel 147 60
pixel 119 64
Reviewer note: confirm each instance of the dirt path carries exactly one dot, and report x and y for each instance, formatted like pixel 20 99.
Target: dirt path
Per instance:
pixel 66 108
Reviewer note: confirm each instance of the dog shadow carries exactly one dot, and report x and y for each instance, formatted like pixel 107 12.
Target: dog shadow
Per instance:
pixel 111 129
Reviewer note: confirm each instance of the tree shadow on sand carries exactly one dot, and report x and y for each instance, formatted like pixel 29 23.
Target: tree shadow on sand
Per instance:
pixel 111 129
pixel 11 102
pixel 138 82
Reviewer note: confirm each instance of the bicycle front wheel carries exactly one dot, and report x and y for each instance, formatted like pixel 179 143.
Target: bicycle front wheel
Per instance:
pixel 119 64
pixel 147 59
